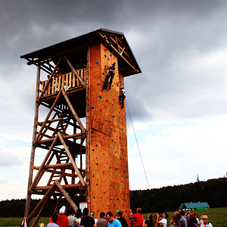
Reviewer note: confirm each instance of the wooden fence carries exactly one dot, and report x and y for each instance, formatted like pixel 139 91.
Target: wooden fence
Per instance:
pixel 66 81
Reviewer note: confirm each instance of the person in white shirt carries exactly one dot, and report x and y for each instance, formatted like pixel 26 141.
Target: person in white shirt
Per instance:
pixel 161 219
pixel 206 222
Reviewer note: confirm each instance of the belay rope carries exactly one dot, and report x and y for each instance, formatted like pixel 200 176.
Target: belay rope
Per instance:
pixel 137 145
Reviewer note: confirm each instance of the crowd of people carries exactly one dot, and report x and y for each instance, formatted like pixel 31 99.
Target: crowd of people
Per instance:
pixel 86 220
pixel 179 219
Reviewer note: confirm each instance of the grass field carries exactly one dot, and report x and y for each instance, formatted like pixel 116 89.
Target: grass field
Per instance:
pixel 217 216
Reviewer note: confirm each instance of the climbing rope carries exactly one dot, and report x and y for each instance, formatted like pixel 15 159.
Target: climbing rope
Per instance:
pixel 137 145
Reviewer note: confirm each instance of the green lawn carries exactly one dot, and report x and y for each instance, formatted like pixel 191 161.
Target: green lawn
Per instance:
pixel 217 216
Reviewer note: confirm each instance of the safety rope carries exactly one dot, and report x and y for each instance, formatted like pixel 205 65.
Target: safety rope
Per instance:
pixel 137 144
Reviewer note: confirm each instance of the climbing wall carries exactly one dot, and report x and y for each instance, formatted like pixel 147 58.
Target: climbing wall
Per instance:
pixel 108 139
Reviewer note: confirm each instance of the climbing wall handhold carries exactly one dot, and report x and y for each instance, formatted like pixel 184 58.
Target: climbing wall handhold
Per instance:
pixel 100 96
pixel 97 83
pixel 92 106
pixel 97 62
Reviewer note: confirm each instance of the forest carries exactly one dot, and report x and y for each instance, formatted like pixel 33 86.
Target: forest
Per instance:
pixel 213 191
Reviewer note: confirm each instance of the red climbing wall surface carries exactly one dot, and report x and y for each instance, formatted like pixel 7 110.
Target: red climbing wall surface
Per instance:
pixel 109 182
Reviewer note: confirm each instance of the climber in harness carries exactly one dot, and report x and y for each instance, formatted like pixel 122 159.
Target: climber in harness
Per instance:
pixel 122 96
pixel 109 75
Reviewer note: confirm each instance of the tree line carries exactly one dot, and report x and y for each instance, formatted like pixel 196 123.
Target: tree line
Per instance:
pixel 169 198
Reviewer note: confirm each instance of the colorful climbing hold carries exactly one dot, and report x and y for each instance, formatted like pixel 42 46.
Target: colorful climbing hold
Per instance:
pixel 92 106
pixel 97 62
pixel 100 96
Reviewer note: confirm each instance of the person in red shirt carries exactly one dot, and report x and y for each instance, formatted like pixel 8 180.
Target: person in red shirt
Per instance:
pixel 138 218
pixel 62 218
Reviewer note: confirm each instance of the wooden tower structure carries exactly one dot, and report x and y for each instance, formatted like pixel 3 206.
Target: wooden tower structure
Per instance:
pixel 79 127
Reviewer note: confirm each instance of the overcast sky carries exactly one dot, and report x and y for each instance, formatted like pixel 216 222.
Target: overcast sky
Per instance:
pixel 177 104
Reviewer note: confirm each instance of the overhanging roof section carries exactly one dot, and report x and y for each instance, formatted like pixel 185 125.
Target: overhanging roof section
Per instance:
pixel 76 49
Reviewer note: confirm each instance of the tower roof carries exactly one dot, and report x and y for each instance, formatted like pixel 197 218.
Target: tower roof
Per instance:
pixel 76 50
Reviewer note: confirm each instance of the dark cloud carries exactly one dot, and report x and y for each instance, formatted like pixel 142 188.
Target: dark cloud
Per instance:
pixel 162 34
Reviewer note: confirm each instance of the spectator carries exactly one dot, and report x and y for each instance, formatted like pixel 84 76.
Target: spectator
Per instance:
pixel 206 222
pixel 122 219
pixel 102 221
pixel 150 221
pixel 175 222
pixel 200 224
pixel 72 219
pixel 112 222
pixel 79 216
pixel 95 219
pixel 58 73
pixel 138 218
pixel 87 221
pixel 161 220
pixel 52 221
pixel 62 218
pixel 183 220
pixel 192 221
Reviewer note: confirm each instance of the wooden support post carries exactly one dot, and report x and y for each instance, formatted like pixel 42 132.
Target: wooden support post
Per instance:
pixel 50 78
pixel 47 117
pixel 71 159
pixel 73 111
pixel 42 202
pixel 34 183
pixel 75 72
pixel 64 186
pixel 55 166
pixel 28 201
pixel 65 137
pixel 39 214
pixel 67 197
pixel 87 173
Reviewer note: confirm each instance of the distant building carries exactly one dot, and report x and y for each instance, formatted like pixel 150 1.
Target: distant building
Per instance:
pixel 194 206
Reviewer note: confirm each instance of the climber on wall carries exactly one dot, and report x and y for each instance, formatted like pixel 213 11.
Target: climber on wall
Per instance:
pixel 122 96
pixel 109 75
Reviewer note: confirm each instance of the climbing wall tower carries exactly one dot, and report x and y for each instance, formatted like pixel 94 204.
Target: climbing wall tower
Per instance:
pixel 79 127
